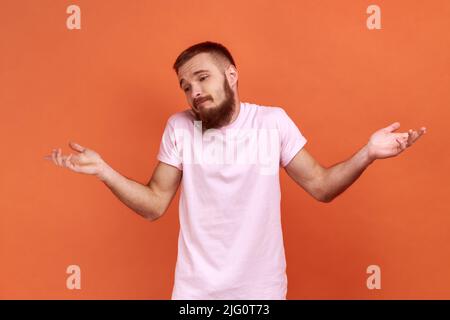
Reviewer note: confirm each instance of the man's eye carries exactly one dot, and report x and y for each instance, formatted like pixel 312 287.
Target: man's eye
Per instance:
pixel 201 79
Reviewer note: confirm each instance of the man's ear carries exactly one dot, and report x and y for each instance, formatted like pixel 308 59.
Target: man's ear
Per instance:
pixel 232 75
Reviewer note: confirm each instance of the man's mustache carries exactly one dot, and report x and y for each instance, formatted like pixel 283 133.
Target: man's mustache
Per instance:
pixel 200 100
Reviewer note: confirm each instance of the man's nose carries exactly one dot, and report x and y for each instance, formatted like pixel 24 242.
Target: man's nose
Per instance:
pixel 196 92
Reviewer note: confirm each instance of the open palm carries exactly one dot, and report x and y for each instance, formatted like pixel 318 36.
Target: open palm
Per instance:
pixel 86 161
pixel 386 143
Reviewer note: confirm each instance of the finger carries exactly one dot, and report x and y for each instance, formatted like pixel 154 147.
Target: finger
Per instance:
pixel 393 127
pixel 401 144
pixel 58 157
pixel 405 143
pixel 77 147
pixel 422 131
pixel 411 135
pixel 418 134
pixel 67 162
pixel 71 165
pixel 54 157
pixel 63 160
pixel 401 136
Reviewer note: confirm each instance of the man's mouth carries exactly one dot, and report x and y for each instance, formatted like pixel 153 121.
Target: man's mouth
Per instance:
pixel 202 102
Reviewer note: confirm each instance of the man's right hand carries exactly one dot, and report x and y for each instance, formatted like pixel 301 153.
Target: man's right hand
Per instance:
pixel 149 201
pixel 86 161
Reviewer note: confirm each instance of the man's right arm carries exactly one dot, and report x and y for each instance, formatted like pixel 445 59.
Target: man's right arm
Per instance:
pixel 150 201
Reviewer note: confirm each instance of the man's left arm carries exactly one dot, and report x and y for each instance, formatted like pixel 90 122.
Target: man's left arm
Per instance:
pixel 325 184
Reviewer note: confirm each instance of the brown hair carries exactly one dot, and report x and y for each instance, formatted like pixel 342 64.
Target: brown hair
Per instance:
pixel 214 48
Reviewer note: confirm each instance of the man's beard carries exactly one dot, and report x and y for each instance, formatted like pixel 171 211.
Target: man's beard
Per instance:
pixel 218 116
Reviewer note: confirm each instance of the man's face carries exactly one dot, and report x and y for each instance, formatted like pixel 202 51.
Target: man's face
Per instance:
pixel 207 91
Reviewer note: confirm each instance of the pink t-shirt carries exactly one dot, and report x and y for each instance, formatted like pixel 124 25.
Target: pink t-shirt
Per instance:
pixel 230 244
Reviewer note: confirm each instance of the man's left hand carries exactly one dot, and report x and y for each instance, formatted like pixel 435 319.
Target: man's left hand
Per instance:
pixel 386 143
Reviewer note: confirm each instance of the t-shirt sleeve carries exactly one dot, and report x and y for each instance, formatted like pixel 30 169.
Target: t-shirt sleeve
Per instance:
pixel 292 140
pixel 168 150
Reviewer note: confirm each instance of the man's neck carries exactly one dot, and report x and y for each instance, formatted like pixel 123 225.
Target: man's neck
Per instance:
pixel 237 109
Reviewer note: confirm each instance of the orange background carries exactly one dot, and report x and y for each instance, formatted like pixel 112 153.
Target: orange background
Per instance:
pixel 110 87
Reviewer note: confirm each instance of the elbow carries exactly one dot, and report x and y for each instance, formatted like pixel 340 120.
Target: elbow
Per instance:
pixel 323 193
pixel 153 216
pixel 156 209
pixel 324 197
